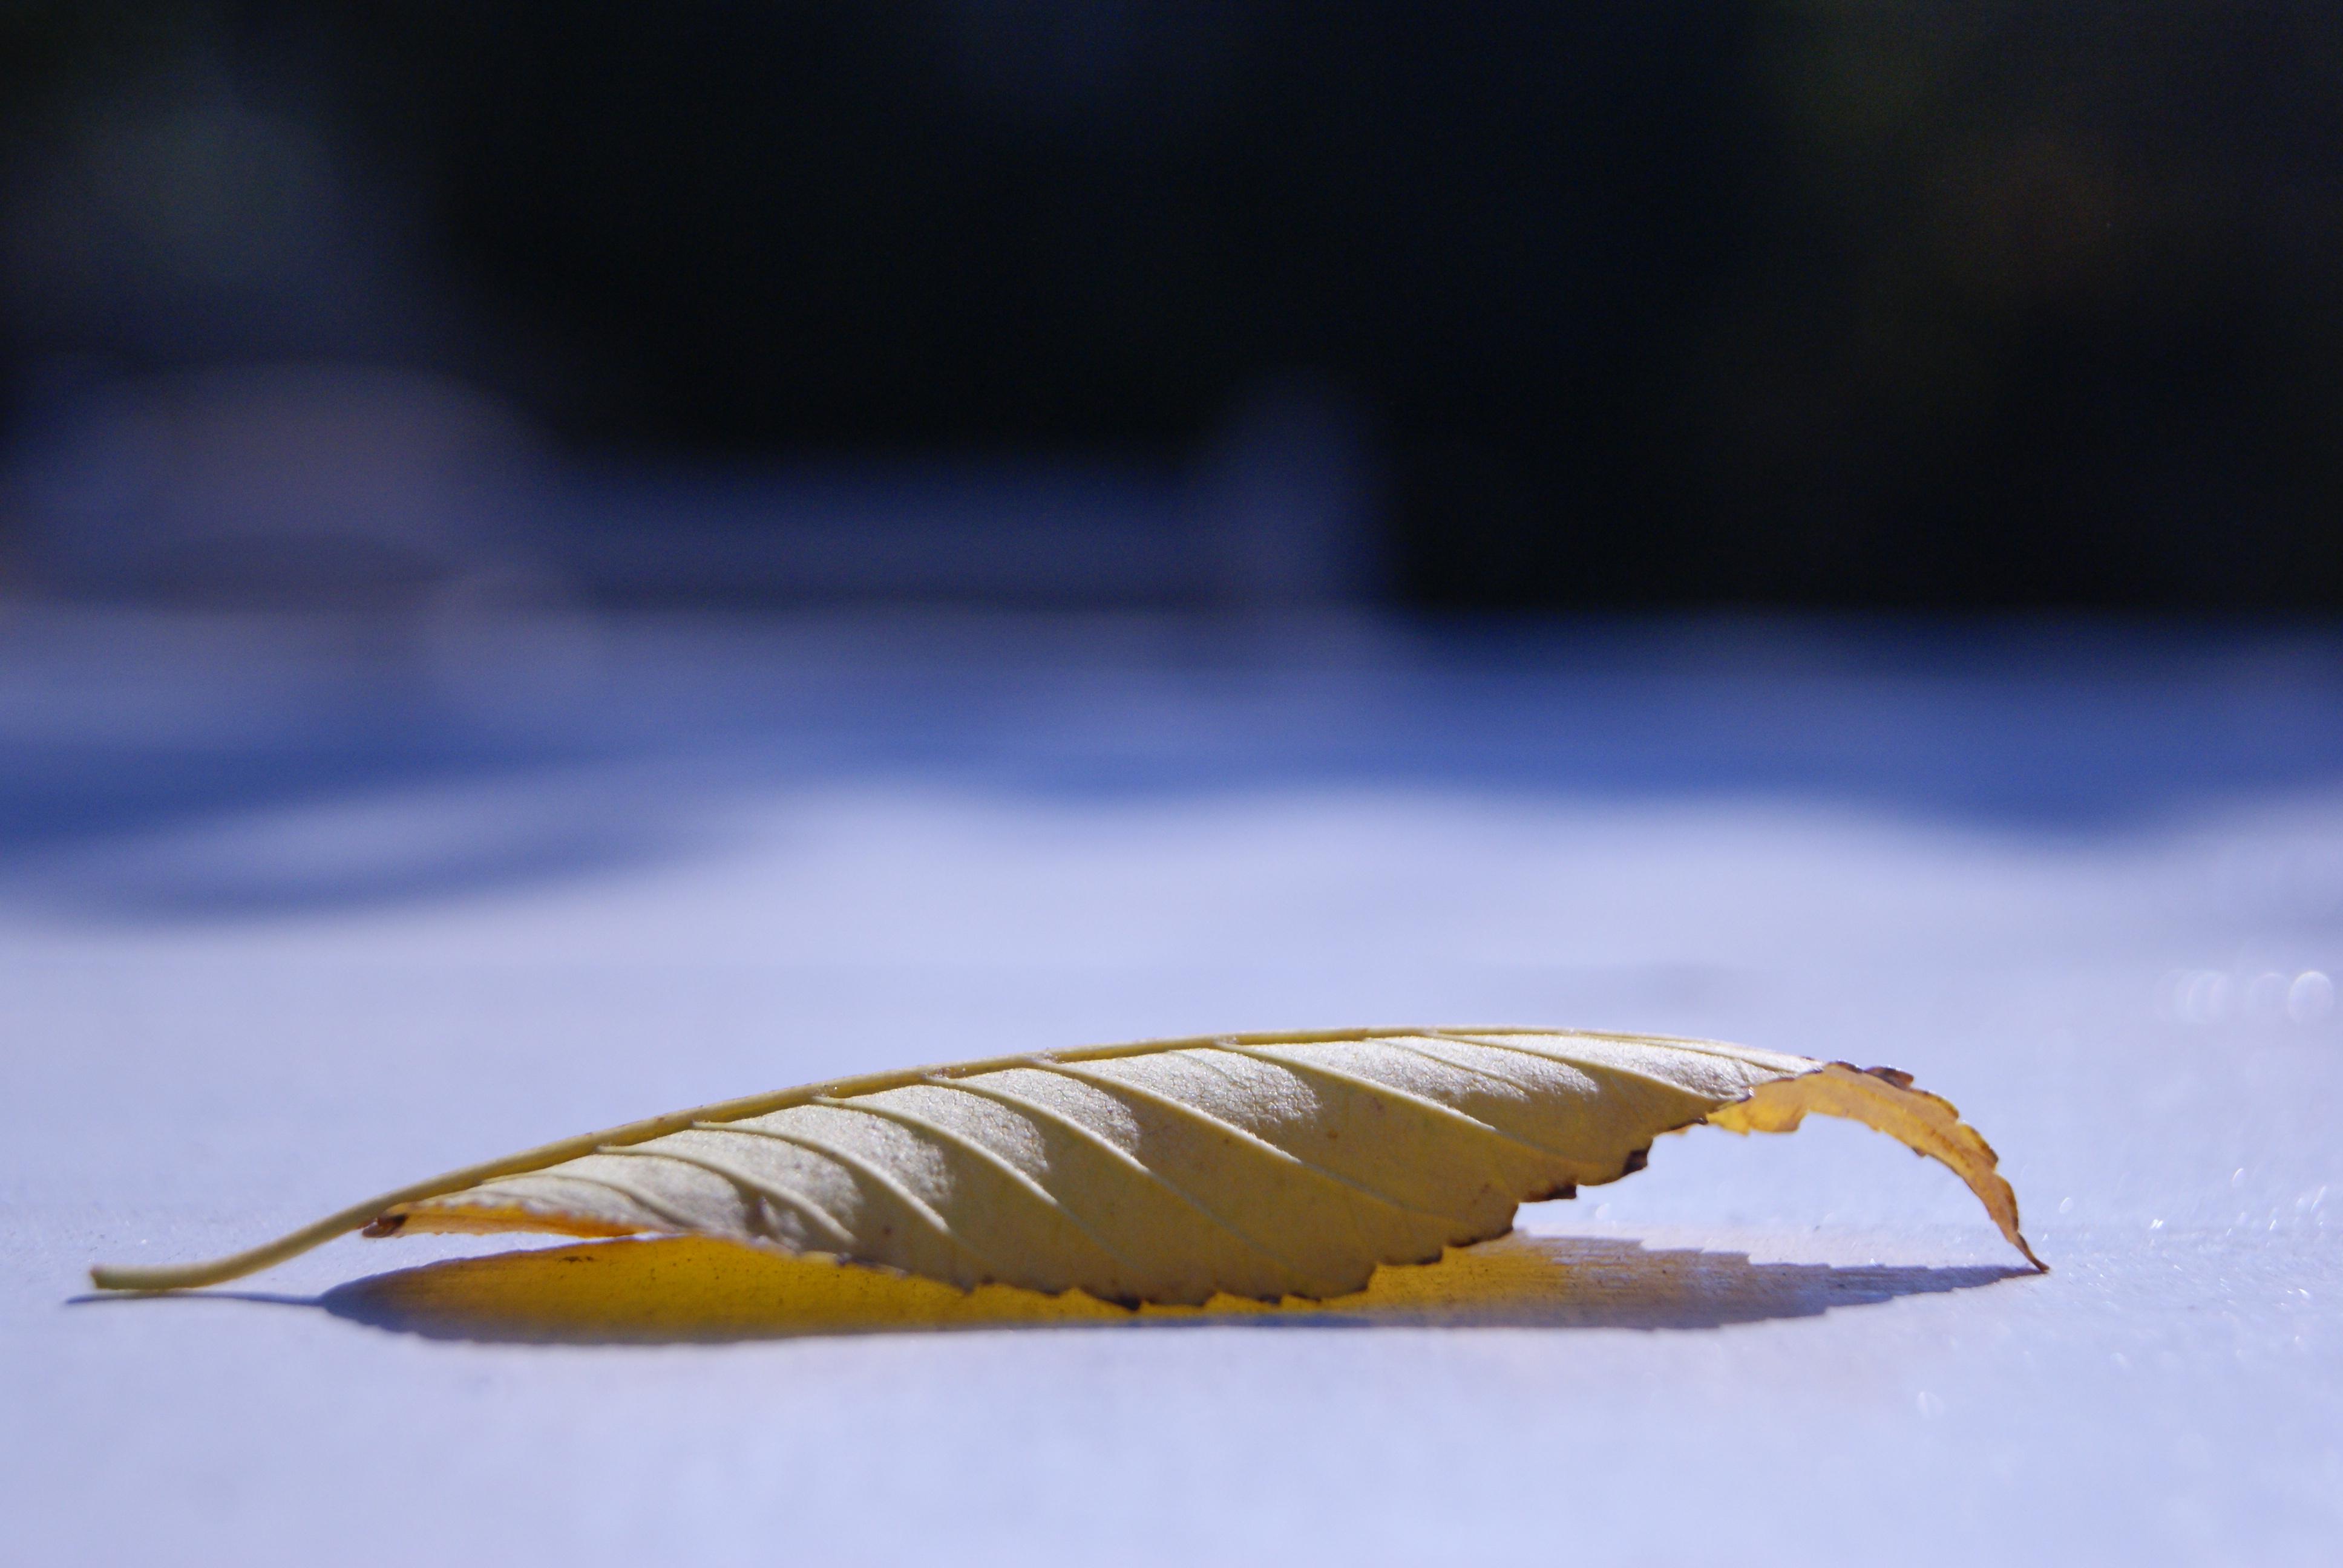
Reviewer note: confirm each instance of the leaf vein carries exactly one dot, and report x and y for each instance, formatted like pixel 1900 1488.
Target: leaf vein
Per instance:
pixel 943 1134
pixel 821 1217
pixel 648 1203
pixel 1592 1069
pixel 880 1177
pixel 1123 1157
pixel 1251 1139
pixel 1392 1091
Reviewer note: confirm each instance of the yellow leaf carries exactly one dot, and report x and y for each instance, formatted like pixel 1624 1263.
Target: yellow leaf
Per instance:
pixel 1264 1166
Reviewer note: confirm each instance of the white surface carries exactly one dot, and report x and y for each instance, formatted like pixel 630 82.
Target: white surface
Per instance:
pixel 284 919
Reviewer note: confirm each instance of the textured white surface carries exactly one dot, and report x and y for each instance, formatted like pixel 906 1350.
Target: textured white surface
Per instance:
pixel 284 919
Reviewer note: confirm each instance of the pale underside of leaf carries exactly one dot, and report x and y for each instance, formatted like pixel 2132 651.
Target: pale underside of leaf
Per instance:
pixel 1260 1166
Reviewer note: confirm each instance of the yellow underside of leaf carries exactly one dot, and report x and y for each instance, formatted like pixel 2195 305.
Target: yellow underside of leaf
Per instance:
pixel 1919 1120
pixel 480 1220
pixel 694 1288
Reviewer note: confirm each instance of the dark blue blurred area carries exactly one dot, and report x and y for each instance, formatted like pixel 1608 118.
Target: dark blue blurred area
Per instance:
pixel 1185 303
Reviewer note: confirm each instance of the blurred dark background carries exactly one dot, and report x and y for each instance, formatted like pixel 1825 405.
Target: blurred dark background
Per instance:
pixel 1687 302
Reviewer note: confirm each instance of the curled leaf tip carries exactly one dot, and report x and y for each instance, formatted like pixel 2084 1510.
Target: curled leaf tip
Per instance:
pixel 1882 1099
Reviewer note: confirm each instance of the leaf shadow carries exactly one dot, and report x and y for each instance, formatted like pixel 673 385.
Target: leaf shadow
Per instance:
pixel 686 1290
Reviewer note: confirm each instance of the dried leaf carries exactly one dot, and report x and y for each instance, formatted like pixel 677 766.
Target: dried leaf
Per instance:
pixel 1263 1166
